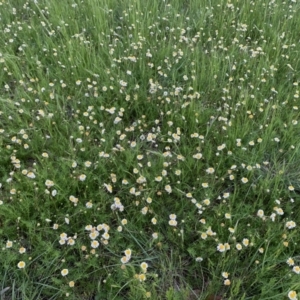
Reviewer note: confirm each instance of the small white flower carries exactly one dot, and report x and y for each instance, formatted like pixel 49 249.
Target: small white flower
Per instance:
pixel 290 224
pixel 260 213
pixel 292 295
pixel 244 180
pixel 82 177
pixel 296 269
pixel 64 272
pixel 21 265
pixel 221 247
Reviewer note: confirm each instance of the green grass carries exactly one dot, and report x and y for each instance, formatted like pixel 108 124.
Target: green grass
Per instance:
pixel 170 128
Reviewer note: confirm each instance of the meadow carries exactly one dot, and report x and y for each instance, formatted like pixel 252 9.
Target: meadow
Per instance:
pixel 149 149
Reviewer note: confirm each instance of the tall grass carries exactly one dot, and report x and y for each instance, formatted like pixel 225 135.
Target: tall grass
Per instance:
pixel 149 149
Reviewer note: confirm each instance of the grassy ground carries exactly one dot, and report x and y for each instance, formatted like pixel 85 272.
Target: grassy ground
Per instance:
pixel 149 149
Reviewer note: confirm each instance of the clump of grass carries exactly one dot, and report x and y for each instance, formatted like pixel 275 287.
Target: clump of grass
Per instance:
pixel 149 150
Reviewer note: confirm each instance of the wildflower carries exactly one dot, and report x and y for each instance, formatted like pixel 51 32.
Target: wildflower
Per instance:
pixel 198 205
pixel 21 265
pixel 64 272
pixel 94 244
pixel 128 252
pixel 272 217
pixel 172 217
pixel 124 222
pixel 172 222
pixel 108 187
pixel 227 282
pixel 82 177
pixel 177 172
pixel 155 235
pixel 221 147
pixel 296 269
pixel 158 178
pixel 31 175
pixel 132 191
pixel 260 213
pixel 168 189
pixel 228 216
pixel 71 284
pixel 142 277
pixel 71 242
pixel 105 235
pixel 125 259
pixel 49 183
pixel 210 232
pixel 204 184
pixel 89 204
pixel 238 246
pixel 87 164
pixel 22 250
pixel 124 181
pixel 206 201
pixel 203 235
pixel 63 236
pixel 221 247
pixel 290 261
pixel 164 172
pixel 245 242
pixel 292 295
pixel 141 180
pixel 123 83
pixel 144 267
pixel 197 156
pixel 94 234
pixel 290 224
pixel 279 211
pixel 225 274
pixel 231 230
pixel 9 244
pixel 291 188
pixel 244 180
pixel 154 221
pixel 45 155
pixel 210 170
pixel 117 120
pixel 144 209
